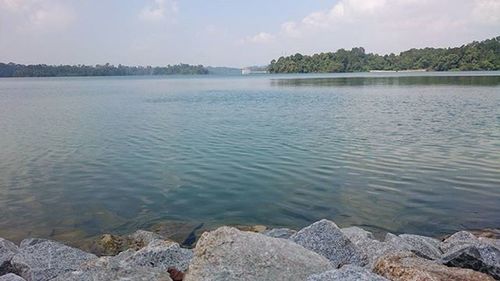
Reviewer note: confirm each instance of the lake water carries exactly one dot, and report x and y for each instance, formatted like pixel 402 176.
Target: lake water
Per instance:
pixel 390 152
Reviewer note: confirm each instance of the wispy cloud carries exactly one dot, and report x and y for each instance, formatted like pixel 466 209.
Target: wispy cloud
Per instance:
pixel 159 10
pixel 259 38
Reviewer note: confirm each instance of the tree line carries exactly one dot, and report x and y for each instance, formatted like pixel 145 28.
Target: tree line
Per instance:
pixel 43 70
pixel 484 55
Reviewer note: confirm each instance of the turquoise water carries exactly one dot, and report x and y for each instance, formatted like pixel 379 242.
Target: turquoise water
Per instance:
pixel 390 152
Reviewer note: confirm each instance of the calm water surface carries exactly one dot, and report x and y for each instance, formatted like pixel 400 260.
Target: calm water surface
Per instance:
pixel 390 152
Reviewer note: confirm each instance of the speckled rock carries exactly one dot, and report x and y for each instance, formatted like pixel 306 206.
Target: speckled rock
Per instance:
pixel 229 254
pixel 409 267
pixel 483 258
pixel 7 251
pixel 422 246
pixel 120 274
pixel 356 234
pixel 325 238
pixel 46 259
pixel 463 249
pixel 283 233
pixel 110 245
pixel 157 254
pixel 11 277
pixel 347 273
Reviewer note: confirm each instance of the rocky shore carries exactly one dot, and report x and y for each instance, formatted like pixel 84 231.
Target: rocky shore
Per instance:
pixel 319 252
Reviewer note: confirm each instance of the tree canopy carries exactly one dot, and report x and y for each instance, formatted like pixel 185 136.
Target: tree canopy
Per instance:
pixel 483 55
pixel 43 70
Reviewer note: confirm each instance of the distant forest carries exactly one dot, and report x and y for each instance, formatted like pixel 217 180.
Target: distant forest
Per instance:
pixel 43 70
pixel 483 55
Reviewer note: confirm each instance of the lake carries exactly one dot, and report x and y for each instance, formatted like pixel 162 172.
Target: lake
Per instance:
pixel 399 152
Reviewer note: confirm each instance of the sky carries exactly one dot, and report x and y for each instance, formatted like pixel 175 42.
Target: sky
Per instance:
pixel 231 32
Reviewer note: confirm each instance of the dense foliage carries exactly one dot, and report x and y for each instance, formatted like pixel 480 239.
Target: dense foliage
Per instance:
pixel 483 55
pixel 43 70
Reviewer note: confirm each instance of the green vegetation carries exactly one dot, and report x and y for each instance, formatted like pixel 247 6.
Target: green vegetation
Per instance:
pixel 483 55
pixel 43 70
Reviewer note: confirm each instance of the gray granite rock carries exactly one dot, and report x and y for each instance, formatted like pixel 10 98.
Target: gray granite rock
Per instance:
pixel 356 234
pixel 119 274
pixel 7 251
pixel 31 241
pixel 229 254
pixel 283 233
pixel 482 258
pixel 144 237
pixel 325 238
pixel 157 254
pixel 422 246
pixel 11 277
pixel 46 259
pixel 347 273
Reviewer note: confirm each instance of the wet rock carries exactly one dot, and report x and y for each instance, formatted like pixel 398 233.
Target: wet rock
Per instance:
pixel 7 251
pixel 356 234
pixel 46 259
pixel 11 277
pixel 142 238
pixel 230 254
pixel 407 266
pixel 484 259
pixel 325 238
pixel 106 274
pixel 157 254
pixel 283 233
pixel 422 246
pixel 111 245
pixel 252 228
pixel 347 273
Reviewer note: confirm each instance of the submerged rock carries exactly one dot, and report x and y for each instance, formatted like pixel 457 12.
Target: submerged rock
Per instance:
pixel 7 251
pixel 347 273
pixel 40 260
pixel 110 245
pixel 407 266
pixel 325 238
pixel 230 254
pixel 11 277
pixel 283 233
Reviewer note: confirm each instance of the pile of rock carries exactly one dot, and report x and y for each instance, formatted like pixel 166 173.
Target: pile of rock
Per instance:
pixel 319 252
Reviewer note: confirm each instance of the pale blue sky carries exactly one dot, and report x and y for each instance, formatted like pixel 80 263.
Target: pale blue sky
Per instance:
pixel 231 33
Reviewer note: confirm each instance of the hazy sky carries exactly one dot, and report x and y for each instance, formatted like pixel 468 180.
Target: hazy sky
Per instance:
pixel 231 32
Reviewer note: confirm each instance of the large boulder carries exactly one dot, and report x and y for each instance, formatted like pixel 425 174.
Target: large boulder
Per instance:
pixel 356 234
pixel 283 233
pixel 11 277
pixel 7 251
pixel 230 254
pixel 408 266
pixel 465 250
pixel 422 246
pixel 157 254
pixel 347 273
pixel 327 239
pixel 109 274
pixel 40 260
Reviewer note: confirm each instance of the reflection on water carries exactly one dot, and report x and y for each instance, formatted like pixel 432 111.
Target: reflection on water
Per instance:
pixel 83 156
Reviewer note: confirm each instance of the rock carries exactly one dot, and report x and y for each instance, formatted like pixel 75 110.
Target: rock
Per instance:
pixel 31 241
pixel 283 233
pixel 157 254
pixel 111 245
pixel 142 237
pixel 463 249
pixel 347 273
pixel 374 249
pixel 11 277
pixel 46 259
pixel 484 259
pixel 422 246
pixel 106 274
pixel 252 228
pixel 407 266
pixel 7 251
pixel 356 234
pixel 325 238
pixel 230 254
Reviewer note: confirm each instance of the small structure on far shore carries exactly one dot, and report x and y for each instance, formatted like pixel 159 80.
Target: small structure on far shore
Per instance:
pixel 248 71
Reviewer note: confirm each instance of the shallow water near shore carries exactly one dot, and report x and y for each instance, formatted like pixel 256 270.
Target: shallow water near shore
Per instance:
pixel 414 153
